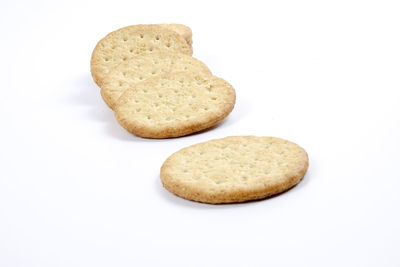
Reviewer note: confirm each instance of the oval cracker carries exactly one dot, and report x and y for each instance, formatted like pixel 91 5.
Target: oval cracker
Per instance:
pixel 125 43
pixel 142 67
pixel 174 104
pixel 234 169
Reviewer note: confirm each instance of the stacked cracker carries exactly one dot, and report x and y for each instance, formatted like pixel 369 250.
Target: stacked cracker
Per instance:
pixel 155 87
pixel 158 90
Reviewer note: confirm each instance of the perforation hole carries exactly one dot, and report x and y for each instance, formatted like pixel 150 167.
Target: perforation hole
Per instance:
pixel 124 58
pixel 153 72
pixel 107 59
pixel 125 39
pixel 148 117
pixel 131 50
pixel 151 49
pixel 140 78
pixel 213 98
pixel 157 37
pixel 141 35
pixel 160 95
pixel 168 45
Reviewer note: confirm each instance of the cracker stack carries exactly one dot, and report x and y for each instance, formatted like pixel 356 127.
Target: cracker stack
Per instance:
pixel 157 89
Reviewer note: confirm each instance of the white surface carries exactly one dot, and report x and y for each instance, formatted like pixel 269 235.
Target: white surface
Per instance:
pixel 76 189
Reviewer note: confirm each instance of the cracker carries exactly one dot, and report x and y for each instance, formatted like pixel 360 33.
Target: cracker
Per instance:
pixel 234 169
pixel 174 104
pixel 182 30
pixel 142 67
pixel 125 43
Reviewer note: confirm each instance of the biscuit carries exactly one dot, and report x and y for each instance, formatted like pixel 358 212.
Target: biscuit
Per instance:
pixel 182 30
pixel 125 43
pixel 174 104
pixel 234 169
pixel 144 66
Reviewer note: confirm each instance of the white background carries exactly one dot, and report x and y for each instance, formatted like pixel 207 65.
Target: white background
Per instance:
pixel 76 189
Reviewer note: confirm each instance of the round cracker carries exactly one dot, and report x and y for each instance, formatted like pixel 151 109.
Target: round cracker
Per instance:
pixel 174 104
pixel 125 43
pixel 142 67
pixel 234 169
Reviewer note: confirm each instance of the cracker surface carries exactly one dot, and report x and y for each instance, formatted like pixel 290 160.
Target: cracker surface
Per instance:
pixel 182 30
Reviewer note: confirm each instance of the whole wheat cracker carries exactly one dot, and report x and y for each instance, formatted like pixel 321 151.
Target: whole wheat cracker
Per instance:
pixel 141 67
pixel 127 42
pixel 234 169
pixel 174 104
